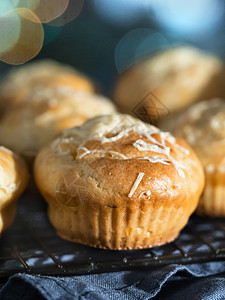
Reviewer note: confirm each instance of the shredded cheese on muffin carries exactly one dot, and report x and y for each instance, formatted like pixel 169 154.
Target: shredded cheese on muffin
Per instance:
pixel 136 184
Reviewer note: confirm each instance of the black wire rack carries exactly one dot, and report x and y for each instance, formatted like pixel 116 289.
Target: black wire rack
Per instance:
pixel 32 246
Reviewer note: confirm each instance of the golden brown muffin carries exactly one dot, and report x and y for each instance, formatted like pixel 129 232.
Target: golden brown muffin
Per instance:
pixel 203 127
pixel 13 181
pixel 176 78
pixel 119 183
pixel 49 111
pixel 19 83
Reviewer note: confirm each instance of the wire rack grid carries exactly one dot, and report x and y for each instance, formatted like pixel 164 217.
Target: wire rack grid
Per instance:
pixel 32 246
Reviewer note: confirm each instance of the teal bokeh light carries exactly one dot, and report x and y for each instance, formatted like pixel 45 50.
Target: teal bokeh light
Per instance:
pixel 187 17
pixel 138 44
pixel 10 24
pixel 6 5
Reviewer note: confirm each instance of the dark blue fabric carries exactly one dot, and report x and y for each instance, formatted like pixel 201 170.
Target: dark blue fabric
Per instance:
pixel 198 281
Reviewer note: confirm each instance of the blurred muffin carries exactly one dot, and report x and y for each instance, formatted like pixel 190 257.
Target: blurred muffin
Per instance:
pixel 46 113
pixel 203 127
pixel 119 183
pixel 19 83
pixel 170 81
pixel 13 181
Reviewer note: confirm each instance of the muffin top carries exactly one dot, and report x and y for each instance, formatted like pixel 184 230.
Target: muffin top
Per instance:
pixel 22 80
pixel 177 76
pixel 45 114
pixel 120 156
pixel 203 127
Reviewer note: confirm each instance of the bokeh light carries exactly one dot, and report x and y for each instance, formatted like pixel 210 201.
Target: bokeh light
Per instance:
pixel 30 40
pixel 10 30
pixel 119 12
pixel 20 38
pixel 5 6
pixel 46 10
pixel 187 17
pixel 71 13
pixel 137 44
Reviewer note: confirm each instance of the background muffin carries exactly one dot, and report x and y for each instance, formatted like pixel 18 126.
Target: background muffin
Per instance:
pixel 203 127
pixel 119 183
pixel 13 181
pixel 46 113
pixel 177 77
pixel 19 83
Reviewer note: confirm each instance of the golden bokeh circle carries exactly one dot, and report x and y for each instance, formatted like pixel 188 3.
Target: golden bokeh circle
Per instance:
pixel 71 13
pixel 46 10
pixel 30 40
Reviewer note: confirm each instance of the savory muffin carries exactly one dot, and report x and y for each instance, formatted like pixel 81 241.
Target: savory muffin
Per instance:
pixel 119 183
pixel 47 112
pixel 13 181
pixel 169 81
pixel 19 83
pixel 203 127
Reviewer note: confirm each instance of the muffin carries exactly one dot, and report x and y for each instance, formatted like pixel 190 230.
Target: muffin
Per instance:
pixel 203 127
pixel 13 181
pixel 118 183
pixel 169 81
pixel 47 112
pixel 19 83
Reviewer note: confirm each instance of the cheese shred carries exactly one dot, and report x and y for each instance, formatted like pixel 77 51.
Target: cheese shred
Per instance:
pixel 136 184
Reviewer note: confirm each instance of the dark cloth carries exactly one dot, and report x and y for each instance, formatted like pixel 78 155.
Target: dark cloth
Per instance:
pixel 197 281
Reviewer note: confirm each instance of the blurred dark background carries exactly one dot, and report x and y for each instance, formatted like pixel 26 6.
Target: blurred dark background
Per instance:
pixel 108 36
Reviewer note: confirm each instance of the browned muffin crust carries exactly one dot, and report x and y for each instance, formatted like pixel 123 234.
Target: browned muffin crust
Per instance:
pixel 114 185
pixel 176 78
pixel 21 81
pixel 47 112
pixel 203 127
pixel 13 181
